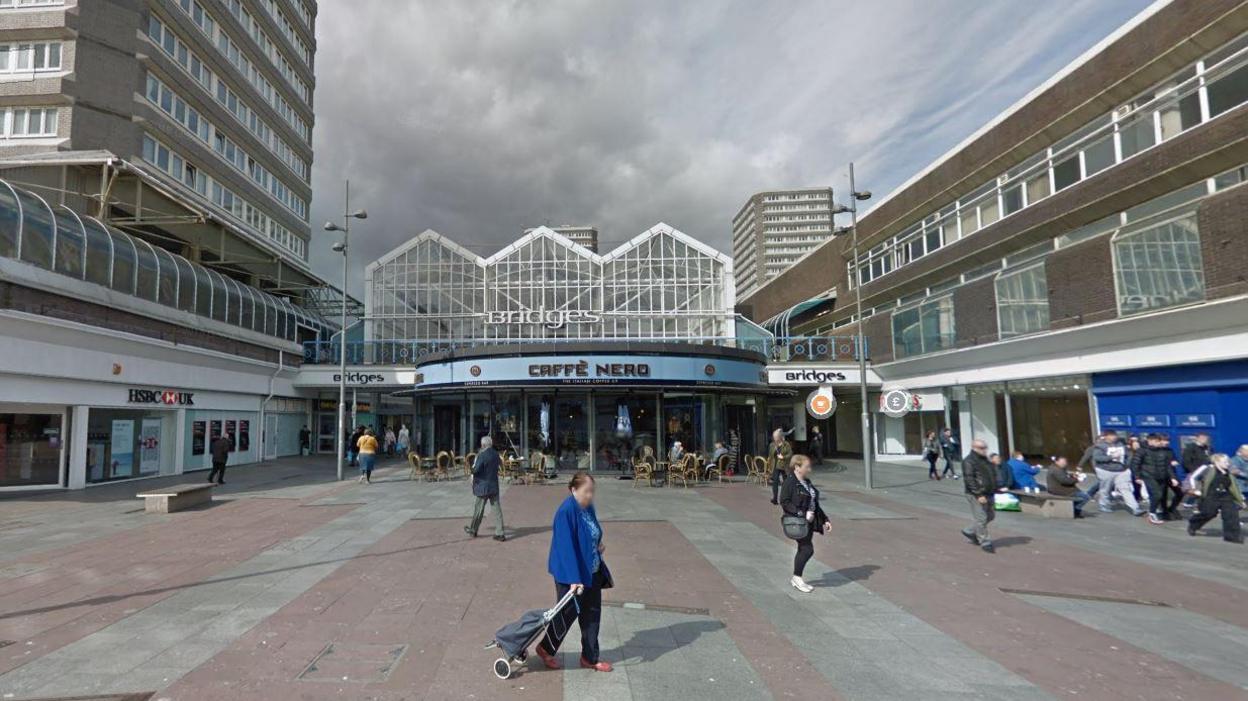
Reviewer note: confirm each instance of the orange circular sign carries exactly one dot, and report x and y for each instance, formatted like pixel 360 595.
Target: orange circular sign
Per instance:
pixel 821 403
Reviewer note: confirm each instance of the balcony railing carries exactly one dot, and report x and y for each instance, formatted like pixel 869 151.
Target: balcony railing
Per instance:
pixel 408 352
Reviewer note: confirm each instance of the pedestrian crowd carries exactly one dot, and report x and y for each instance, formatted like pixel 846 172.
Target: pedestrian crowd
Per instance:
pixel 1142 472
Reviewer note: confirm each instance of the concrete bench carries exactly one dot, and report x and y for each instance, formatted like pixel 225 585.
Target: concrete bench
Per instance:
pixel 167 500
pixel 1045 504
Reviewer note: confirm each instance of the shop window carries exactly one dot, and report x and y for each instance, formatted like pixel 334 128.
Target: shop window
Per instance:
pixel 1022 301
pixel 30 449
pixel 1158 266
pixel 126 443
pixel 925 328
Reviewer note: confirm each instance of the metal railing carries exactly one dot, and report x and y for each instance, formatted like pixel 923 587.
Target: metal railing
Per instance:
pixel 410 351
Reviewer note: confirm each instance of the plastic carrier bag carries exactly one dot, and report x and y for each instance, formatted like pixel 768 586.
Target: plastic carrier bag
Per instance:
pixel 1005 502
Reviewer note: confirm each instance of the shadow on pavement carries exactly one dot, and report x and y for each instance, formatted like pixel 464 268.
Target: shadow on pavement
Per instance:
pixel 1011 540
pixel 845 575
pixel 642 648
pixel 524 531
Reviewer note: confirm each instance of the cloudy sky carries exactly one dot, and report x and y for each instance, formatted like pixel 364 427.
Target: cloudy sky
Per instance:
pixel 478 118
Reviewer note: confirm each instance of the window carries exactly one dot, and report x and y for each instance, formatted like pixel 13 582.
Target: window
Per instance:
pixel 99 253
pixel 1228 91
pixel 925 328
pixel 1098 156
pixel 38 230
pixel 1137 134
pixel 1158 266
pixel 1066 173
pixel 30 57
pixel 123 262
pixel 26 122
pixel 1022 301
pixel 69 243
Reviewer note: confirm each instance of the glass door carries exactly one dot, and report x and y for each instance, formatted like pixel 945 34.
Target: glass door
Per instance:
pixel 572 433
pixel 326 436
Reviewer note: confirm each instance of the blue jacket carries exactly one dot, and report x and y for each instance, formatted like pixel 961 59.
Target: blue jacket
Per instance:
pixel 1024 474
pixel 573 550
pixel 485 473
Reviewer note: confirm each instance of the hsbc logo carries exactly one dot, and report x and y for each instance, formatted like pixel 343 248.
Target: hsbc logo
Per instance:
pixel 166 397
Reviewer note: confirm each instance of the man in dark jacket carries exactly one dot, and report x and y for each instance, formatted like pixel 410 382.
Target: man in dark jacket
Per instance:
pixel 485 489
pixel 1154 469
pixel 952 452
pixel 1195 455
pixel 220 449
pixel 1061 482
pixel 979 476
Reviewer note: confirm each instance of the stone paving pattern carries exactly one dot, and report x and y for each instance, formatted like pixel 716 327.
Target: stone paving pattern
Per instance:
pixel 293 586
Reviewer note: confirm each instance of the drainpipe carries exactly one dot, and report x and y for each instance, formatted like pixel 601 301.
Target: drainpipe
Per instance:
pixel 281 365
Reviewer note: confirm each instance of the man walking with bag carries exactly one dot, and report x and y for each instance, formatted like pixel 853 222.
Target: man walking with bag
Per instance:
pixel 485 489
pixel 979 476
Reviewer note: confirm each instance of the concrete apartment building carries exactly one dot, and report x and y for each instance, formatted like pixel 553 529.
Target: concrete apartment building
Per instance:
pixel 155 164
pixel 586 236
pixel 1080 263
pixel 774 229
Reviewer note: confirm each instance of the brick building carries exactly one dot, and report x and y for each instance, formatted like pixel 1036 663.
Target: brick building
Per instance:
pixel 1079 263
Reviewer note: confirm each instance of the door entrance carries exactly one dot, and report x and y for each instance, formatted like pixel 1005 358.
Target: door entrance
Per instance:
pixel 446 429
pixel 326 436
pixel 270 436
pixel 739 424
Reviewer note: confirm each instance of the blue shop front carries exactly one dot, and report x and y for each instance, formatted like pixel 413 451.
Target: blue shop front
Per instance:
pixel 1179 401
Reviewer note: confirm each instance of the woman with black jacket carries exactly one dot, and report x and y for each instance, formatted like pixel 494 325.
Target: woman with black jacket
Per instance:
pixel 798 497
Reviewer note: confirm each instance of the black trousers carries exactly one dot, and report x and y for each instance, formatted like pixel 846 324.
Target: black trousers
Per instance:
pixel 1209 508
pixel 1158 494
pixel 218 468
pixel 931 462
pixel 588 618
pixel 948 468
pixel 805 551
pixel 777 479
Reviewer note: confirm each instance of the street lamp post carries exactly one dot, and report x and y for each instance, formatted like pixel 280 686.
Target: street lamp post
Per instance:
pixel 856 196
pixel 342 247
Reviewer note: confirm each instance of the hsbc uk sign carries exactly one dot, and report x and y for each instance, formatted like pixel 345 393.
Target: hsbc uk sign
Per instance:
pixel 166 397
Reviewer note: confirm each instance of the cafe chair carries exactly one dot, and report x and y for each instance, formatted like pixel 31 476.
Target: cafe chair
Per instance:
pixel 469 460
pixel 418 468
pixel 642 470
pixel 442 465
pixel 719 468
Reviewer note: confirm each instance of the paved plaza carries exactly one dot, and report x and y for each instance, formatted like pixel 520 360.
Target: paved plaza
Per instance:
pixel 294 586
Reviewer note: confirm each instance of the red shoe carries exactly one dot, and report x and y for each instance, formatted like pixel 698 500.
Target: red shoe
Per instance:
pixel 550 661
pixel 599 665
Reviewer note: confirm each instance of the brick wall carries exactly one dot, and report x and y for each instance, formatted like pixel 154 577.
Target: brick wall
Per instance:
pixel 1223 222
pixel 975 312
pixel 1081 284
pixel 33 301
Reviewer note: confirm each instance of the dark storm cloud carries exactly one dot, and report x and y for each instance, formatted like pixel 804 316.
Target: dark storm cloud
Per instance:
pixel 479 118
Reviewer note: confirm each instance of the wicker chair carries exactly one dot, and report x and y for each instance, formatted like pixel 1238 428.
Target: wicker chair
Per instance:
pixel 642 470
pixel 442 465
pixel 718 469
pixel 682 470
pixel 418 468
pixel 469 460
pixel 536 473
pixel 758 470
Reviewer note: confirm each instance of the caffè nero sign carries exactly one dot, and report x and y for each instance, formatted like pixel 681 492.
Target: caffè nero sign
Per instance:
pixel 549 318
pixel 584 368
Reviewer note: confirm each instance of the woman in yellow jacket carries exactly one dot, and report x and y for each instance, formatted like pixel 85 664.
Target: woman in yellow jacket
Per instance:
pixel 367 447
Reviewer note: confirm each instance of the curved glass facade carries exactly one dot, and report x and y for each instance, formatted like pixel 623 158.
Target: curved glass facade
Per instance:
pixel 83 248
pixel 660 285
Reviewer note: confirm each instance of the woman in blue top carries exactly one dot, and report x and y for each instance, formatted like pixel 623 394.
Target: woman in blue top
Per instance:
pixel 576 564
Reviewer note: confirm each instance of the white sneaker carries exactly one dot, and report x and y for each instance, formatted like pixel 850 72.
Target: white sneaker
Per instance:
pixel 801 585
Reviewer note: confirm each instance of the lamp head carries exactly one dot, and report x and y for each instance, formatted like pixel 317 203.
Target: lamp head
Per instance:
pixel 339 247
pixel 842 230
pixel 330 226
pixel 862 195
pixel 361 214
pixel 839 209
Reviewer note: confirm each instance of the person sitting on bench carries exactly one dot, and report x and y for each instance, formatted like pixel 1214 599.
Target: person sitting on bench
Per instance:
pixel 1024 475
pixel 1064 483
